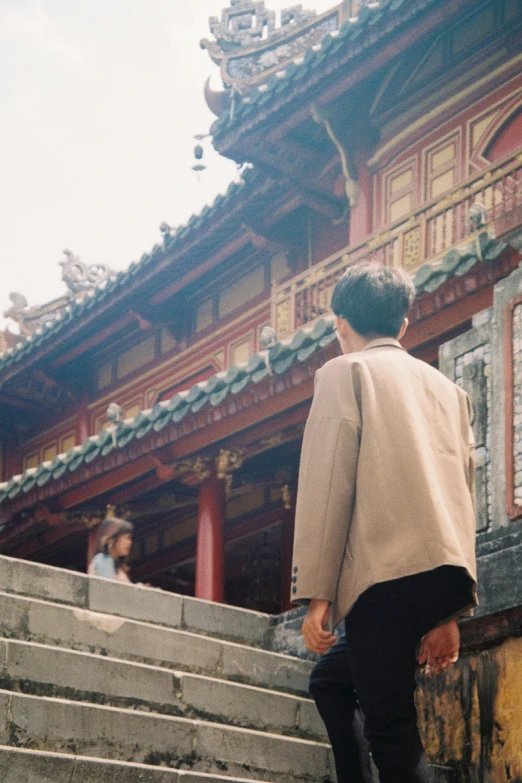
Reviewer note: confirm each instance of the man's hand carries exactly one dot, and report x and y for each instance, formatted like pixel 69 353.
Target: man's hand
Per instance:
pixel 317 639
pixel 440 648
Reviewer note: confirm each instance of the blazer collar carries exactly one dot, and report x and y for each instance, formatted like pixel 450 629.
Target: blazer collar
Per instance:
pixel 382 342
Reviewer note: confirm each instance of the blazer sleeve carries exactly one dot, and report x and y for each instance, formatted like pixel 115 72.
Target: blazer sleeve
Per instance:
pixel 326 487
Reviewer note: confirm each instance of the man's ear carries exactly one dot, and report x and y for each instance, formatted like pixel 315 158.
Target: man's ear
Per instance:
pixel 404 326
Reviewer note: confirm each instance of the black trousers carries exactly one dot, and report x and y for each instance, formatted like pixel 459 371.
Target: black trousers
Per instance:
pixel 364 686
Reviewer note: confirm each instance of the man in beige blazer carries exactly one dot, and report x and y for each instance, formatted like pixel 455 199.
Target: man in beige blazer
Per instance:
pixel 385 528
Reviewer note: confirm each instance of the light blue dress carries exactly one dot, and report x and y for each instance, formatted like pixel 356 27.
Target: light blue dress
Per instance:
pixel 103 565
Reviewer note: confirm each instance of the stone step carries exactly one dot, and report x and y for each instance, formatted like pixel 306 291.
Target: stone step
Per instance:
pixel 18 765
pixel 31 619
pixel 61 725
pixel 51 671
pixel 134 602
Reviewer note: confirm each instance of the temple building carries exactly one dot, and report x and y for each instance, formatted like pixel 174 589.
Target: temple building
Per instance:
pixel 175 393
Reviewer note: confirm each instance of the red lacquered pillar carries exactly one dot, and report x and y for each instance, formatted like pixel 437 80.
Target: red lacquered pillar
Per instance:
pixel 210 546
pixel 361 215
pixel 82 422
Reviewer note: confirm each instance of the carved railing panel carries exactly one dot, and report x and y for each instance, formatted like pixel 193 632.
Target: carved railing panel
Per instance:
pixel 426 236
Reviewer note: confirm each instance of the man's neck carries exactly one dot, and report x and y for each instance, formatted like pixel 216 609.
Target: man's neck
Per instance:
pixel 357 342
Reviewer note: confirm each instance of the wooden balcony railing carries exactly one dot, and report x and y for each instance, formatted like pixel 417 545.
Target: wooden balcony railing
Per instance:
pixel 425 236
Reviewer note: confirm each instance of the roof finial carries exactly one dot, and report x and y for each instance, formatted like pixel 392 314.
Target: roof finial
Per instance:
pixel 79 276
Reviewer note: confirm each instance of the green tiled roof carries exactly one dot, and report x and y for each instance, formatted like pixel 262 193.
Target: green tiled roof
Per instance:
pixel 482 247
pixel 210 392
pixel 330 44
pixel 84 303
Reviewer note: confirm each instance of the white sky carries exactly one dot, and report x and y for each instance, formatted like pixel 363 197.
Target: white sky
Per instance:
pixel 99 104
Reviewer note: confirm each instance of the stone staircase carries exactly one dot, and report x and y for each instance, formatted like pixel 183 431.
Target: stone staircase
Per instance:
pixel 102 681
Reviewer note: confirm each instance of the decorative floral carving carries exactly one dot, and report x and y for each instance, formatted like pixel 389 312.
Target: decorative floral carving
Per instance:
pixel 193 470
pixel 283 318
pixel 250 65
pixel 242 24
pixel 271 441
pixel 27 318
pixel 247 22
pixel 228 460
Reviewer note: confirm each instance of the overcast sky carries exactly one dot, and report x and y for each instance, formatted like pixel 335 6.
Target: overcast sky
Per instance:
pixel 99 104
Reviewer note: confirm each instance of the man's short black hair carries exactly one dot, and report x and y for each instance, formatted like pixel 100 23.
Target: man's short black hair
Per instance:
pixel 374 299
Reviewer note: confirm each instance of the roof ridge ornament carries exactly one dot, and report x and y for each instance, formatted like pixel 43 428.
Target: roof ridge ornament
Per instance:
pixel 249 46
pixel 246 23
pixel 79 276
pixel 243 23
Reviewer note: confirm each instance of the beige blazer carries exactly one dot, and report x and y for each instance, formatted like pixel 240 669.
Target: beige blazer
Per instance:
pixel 386 480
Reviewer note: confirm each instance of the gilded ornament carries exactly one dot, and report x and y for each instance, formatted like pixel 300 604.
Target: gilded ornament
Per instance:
pixel 411 253
pixel 286 494
pixel 283 318
pixel 272 440
pixel 227 461
pixel 198 467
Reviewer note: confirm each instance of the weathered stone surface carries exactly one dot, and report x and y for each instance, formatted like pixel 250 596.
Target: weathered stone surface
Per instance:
pixel 135 602
pixel 5 707
pixel 279 755
pixel 273 669
pixel 35 579
pixel 221 620
pixel 82 629
pixel 86 677
pixel 18 766
pixel 234 703
pixel 14 615
pixel 284 634
pixel 97 771
pixel 499 586
pixel 105 732
pixel 310 721
pixel 466 360
pixel 89 674
pixel 122 734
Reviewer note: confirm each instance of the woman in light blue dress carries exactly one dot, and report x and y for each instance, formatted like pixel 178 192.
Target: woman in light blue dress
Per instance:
pixel 113 547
